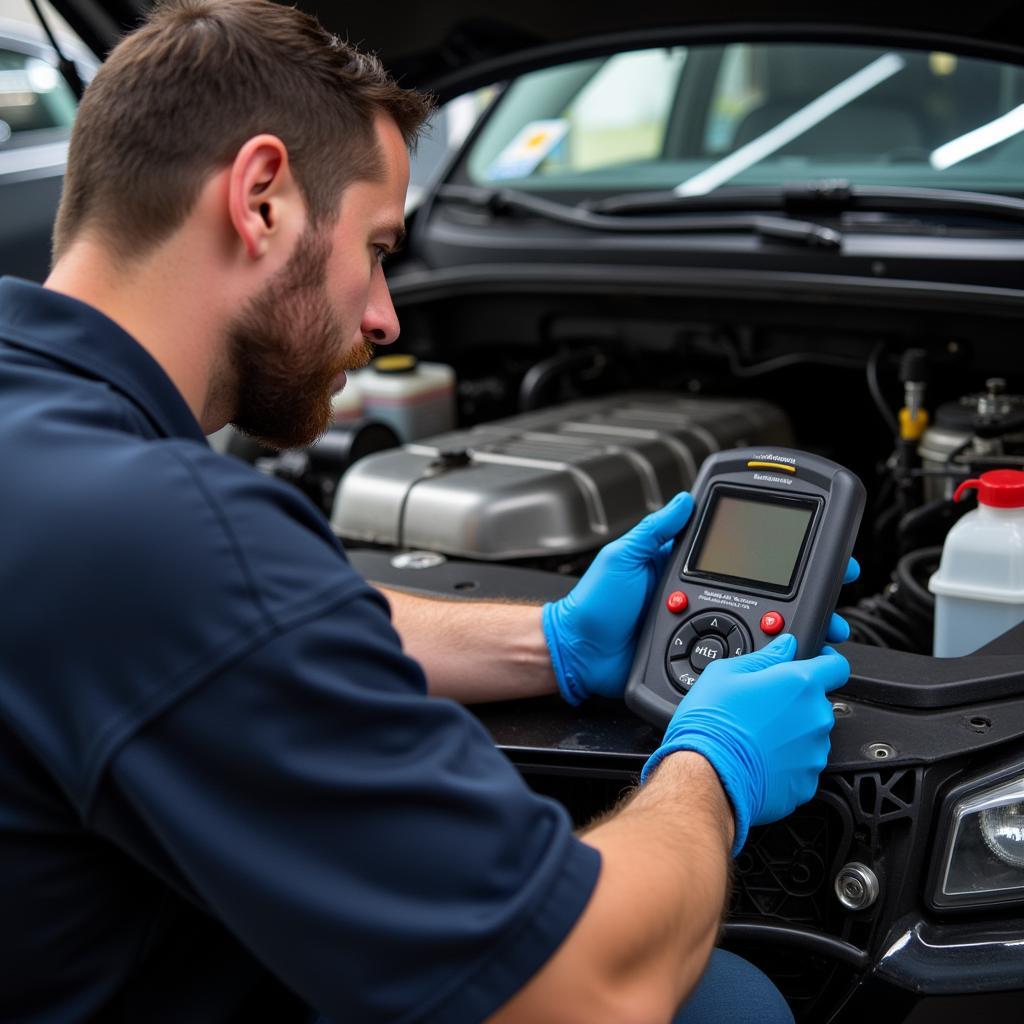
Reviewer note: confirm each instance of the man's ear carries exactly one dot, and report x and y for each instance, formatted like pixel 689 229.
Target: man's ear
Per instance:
pixel 262 194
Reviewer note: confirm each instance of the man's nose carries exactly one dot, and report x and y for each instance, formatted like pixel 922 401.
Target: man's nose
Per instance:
pixel 380 322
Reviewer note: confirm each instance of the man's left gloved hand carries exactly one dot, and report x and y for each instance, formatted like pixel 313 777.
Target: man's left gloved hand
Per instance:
pixel 592 631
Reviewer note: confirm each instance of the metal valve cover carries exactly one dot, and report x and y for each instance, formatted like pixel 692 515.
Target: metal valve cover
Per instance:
pixel 558 481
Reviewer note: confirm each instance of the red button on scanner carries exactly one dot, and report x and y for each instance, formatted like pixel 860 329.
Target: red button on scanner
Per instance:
pixel 772 623
pixel 677 602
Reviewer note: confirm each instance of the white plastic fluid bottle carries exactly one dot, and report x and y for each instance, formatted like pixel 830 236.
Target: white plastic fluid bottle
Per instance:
pixel 347 404
pixel 979 585
pixel 415 399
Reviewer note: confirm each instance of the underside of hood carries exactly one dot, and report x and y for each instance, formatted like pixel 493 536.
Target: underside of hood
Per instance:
pixel 452 45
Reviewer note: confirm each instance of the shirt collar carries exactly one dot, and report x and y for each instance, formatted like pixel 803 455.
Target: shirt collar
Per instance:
pixel 58 326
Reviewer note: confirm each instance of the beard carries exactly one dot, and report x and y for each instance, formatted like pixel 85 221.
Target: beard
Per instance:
pixel 286 351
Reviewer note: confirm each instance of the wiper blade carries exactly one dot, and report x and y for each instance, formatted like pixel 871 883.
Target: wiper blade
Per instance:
pixel 820 198
pixel 500 202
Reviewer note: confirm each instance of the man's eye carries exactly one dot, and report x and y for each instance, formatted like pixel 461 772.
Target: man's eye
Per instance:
pixel 381 252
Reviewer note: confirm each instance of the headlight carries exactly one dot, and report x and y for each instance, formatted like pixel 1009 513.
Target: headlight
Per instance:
pixel 984 856
pixel 1002 828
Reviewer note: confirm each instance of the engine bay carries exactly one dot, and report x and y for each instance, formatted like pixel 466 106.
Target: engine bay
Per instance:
pixel 571 427
pixel 555 483
pixel 579 407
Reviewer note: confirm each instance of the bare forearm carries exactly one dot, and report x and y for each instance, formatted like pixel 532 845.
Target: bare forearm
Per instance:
pixel 666 858
pixel 652 921
pixel 475 651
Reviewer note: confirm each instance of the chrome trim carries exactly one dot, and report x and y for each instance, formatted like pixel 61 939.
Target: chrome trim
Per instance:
pixel 950 959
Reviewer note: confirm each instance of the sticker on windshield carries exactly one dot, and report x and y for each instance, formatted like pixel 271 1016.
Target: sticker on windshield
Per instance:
pixel 531 145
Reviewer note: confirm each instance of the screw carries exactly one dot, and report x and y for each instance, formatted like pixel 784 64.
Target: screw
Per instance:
pixel 840 710
pixel 878 751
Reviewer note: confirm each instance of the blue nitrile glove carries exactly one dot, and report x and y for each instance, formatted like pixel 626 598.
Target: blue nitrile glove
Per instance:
pixel 592 631
pixel 838 628
pixel 762 720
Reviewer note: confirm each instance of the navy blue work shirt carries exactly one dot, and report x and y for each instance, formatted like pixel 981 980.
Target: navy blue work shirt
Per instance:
pixel 224 793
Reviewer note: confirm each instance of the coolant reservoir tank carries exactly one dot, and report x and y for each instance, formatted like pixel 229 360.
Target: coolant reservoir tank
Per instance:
pixel 415 399
pixel 979 585
pixel 347 404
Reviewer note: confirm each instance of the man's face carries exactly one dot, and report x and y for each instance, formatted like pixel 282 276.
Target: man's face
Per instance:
pixel 323 312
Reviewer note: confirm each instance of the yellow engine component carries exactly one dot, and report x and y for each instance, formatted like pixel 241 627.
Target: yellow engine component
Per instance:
pixel 912 427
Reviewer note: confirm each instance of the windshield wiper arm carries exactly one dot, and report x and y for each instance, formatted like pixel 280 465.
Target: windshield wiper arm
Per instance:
pixel 504 201
pixel 821 198
pixel 65 66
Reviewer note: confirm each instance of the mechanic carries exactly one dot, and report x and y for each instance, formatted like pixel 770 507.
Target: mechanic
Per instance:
pixel 225 794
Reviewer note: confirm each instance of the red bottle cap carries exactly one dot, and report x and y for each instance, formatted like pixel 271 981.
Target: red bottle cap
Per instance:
pixel 999 488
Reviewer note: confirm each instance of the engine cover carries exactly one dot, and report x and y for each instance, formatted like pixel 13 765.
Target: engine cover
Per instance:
pixel 559 481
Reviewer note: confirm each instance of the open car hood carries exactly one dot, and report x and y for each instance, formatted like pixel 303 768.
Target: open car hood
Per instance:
pixel 453 45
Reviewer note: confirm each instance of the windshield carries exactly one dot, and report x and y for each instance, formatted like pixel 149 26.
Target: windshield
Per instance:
pixel 696 118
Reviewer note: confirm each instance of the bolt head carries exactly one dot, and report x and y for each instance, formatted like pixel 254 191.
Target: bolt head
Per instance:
pixel 856 885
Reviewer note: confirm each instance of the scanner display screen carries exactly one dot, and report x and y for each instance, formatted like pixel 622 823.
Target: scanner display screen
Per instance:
pixel 753 540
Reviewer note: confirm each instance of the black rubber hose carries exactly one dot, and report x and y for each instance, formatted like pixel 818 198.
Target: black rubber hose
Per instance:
pixel 863 627
pixel 909 621
pixel 922 515
pixel 902 616
pixel 541 375
pixel 876 390
pixel 798 938
pixel 958 450
pixel 905 573
pixel 881 618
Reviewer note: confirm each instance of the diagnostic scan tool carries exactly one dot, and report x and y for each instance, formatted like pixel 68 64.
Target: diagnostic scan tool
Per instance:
pixel 764 553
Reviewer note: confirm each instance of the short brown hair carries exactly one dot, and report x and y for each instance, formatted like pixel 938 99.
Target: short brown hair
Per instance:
pixel 177 98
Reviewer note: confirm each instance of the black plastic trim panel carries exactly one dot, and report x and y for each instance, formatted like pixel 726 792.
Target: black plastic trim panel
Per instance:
pixel 414 287
pixel 953 958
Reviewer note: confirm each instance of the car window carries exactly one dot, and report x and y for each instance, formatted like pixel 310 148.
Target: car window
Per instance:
pixel 619 114
pixel 701 117
pixel 739 88
pixel 33 97
pixel 442 135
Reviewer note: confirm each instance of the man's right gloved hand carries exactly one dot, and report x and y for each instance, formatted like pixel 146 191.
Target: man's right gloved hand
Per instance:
pixel 762 720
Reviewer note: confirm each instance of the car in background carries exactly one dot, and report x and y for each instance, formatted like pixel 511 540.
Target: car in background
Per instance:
pixel 37 109
pixel 677 228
